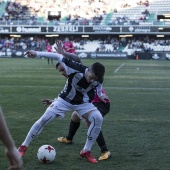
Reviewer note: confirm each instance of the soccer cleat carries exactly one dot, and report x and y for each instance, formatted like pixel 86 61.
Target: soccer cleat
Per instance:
pixel 64 140
pixel 22 149
pixel 89 156
pixel 104 156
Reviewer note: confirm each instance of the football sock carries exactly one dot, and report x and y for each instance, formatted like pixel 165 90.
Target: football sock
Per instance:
pixel 72 129
pixel 38 126
pixel 94 129
pixel 32 134
pixel 101 142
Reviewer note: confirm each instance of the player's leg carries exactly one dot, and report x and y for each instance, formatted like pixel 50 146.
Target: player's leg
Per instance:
pixel 105 153
pixel 95 119
pixel 57 108
pixel 104 108
pixel 74 125
pixel 36 129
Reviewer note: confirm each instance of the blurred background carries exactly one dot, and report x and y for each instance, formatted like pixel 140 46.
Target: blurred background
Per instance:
pixel 96 28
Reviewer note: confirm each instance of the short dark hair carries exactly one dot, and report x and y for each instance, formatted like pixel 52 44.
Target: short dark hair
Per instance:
pixel 99 70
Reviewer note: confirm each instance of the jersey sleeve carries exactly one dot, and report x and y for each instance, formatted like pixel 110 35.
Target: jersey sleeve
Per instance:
pixel 99 90
pixel 54 56
pixel 72 66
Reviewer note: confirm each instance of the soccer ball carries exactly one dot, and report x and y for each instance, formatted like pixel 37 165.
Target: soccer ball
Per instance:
pixel 46 154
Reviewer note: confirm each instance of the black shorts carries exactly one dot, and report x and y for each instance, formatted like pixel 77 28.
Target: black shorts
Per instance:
pixel 104 108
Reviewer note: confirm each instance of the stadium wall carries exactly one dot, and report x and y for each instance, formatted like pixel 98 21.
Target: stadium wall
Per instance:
pixel 85 29
pixel 92 30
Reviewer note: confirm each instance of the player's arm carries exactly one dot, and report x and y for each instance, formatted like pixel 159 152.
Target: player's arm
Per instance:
pixel 72 67
pixel 73 57
pixel 4 133
pixel 101 95
pixel 46 102
pixel 70 56
pixel 12 153
pixel 50 55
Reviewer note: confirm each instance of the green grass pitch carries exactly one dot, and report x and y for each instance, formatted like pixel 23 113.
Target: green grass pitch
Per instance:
pixel 136 130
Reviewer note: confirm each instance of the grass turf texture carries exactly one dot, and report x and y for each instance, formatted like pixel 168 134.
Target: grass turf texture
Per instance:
pixel 136 130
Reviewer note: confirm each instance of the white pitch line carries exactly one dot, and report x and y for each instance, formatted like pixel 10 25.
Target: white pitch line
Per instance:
pixel 119 68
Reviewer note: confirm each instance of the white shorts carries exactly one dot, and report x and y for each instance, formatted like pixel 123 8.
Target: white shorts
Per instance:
pixel 60 106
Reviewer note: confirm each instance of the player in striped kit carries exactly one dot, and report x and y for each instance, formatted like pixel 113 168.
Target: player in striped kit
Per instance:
pixel 76 96
pixel 103 107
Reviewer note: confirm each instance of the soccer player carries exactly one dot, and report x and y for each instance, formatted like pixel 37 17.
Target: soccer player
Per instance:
pixel 76 96
pixel 68 46
pixel 103 107
pixel 12 153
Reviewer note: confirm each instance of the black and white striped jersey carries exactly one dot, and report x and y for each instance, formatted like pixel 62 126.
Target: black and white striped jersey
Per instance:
pixel 76 90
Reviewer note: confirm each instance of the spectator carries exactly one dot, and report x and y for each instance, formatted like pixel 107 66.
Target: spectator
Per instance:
pixel 49 49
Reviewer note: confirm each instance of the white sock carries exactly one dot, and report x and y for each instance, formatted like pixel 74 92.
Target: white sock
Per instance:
pixel 91 138
pixel 32 134
pixel 38 126
pixel 96 120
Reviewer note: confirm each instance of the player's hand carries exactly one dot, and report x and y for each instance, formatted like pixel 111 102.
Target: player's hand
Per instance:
pixel 31 54
pixel 59 48
pixel 46 102
pixel 15 159
pixel 104 97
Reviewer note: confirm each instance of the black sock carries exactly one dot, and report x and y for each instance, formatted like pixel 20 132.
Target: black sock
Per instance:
pixel 101 142
pixel 72 129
